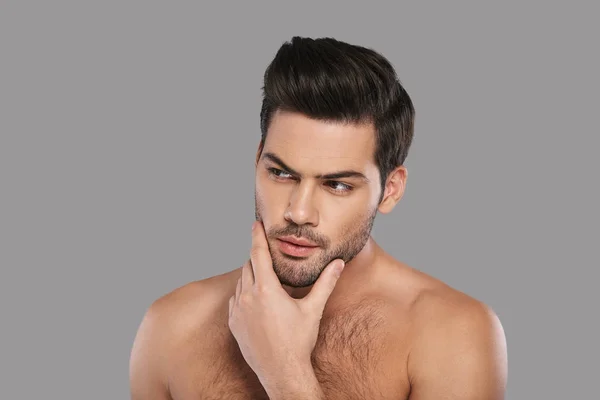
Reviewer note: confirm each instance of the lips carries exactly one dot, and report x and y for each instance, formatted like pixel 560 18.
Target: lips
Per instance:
pixel 295 250
pixel 298 241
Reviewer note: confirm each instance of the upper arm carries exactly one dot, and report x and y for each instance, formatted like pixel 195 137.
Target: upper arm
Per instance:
pixel 461 356
pixel 147 375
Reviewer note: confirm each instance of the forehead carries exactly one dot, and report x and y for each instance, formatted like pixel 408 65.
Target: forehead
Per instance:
pixel 320 145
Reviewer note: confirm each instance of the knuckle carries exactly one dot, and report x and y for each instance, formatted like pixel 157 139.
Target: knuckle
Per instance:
pixel 262 289
pixel 245 300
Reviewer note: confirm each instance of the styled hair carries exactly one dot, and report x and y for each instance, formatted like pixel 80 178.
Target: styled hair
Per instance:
pixel 330 80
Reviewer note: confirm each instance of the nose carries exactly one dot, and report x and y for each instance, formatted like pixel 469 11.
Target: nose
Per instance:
pixel 302 209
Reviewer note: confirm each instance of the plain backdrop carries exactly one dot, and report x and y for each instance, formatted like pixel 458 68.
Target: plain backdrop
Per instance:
pixel 128 132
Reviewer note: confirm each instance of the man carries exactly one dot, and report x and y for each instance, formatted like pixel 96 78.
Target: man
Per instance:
pixel 290 324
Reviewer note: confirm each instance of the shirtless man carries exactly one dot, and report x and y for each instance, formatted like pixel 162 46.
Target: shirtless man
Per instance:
pixel 336 127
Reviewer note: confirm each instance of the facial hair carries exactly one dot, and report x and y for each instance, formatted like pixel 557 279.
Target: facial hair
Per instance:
pixel 301 272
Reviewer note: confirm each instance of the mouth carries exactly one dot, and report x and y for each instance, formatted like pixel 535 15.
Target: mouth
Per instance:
pixel 298 241
pixel 295 249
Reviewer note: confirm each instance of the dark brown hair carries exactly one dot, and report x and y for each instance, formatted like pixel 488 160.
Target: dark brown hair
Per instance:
pixel 330 80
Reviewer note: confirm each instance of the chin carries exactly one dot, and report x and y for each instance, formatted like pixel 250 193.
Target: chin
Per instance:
pixel 295 276
pixel 297 283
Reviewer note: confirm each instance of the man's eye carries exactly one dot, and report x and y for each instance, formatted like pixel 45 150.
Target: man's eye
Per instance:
pixel 339 187
pixel 335 186
pixel 279 173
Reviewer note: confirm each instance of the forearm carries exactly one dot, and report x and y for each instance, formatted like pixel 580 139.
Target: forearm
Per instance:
pixel 298 384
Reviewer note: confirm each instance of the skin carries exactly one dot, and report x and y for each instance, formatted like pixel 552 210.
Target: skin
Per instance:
pixel 337 215
pixel 287 328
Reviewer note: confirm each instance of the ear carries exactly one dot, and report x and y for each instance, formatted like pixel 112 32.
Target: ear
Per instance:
pixel 394 189
pixel 259 152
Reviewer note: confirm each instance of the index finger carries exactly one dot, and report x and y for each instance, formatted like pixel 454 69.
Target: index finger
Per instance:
pixel 260 257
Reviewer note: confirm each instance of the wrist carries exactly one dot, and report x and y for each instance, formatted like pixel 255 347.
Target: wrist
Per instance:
pixel 298 383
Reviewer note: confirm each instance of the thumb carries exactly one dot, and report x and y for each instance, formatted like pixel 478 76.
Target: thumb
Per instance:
pixel 325 284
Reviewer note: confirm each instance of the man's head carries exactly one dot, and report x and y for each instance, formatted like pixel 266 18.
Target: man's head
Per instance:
pixel 336 128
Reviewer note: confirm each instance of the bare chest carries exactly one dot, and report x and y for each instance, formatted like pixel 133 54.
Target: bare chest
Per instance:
pixel 358 356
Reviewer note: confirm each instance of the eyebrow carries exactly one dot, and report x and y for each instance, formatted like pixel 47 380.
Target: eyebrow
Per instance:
pixel 331 176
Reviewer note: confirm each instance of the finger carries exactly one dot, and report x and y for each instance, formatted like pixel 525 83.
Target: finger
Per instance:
pixel 260 257
pixel 247 276
pixel 231 303
pixel 323 287
pixel 238 289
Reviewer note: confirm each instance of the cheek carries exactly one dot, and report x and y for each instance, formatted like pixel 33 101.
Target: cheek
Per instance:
pixel 269 202
pixel 261 191
pixel 343 219
pixel 264 194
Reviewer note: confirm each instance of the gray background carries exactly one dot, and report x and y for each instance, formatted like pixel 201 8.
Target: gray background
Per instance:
pixel 128 132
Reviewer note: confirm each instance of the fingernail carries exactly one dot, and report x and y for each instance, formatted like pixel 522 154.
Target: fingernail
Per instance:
pixel 254 225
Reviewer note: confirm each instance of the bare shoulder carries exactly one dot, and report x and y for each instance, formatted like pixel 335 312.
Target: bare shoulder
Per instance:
pixel 195 302
pixel 462 336
pixel 430 302
pixel 167 325
pixel 437 304
pixel 444 316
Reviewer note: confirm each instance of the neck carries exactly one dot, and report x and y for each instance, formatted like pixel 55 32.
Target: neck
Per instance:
pixel 360 263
